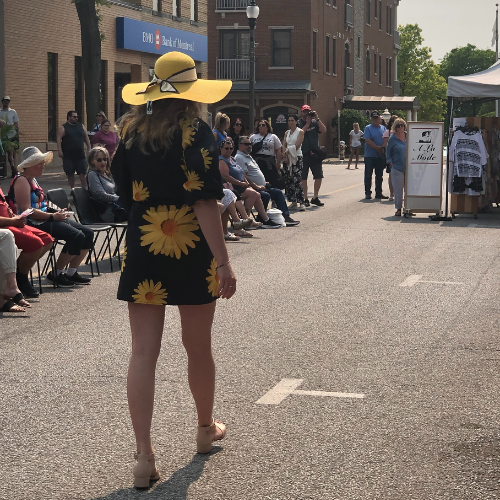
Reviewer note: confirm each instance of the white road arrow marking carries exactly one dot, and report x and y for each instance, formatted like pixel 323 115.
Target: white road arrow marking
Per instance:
pixel 417 278
pixel 288 386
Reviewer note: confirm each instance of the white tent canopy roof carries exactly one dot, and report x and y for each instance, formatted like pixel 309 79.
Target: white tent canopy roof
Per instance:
pixel 480 85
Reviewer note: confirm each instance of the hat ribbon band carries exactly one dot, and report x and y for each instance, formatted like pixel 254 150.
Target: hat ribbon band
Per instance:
pixel 185 76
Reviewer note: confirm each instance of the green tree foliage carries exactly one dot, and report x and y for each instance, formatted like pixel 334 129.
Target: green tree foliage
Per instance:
pixel 419 76
pixel 347 118
pixel 467 61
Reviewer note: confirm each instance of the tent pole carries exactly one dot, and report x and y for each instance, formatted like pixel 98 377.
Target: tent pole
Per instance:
pixel 449 115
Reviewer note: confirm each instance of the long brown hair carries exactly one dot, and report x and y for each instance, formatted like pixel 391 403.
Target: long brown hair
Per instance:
pixel 156 130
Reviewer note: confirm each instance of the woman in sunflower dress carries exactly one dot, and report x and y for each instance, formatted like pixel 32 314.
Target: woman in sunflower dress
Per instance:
pixel 166 170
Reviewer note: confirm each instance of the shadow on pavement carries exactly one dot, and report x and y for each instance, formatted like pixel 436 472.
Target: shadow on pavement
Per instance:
pixel 174 488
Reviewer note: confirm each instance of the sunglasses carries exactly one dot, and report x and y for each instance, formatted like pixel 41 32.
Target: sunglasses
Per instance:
pixel 262 125
pixel 227 148
pixel 98 116
pixel 400 125
pixel 75 116
pixel 238 125
pixel 99 160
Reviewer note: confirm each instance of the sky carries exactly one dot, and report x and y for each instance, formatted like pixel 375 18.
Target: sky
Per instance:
pixel 447 24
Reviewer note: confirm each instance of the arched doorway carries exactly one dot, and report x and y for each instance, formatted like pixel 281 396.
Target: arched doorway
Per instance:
pixel 278 118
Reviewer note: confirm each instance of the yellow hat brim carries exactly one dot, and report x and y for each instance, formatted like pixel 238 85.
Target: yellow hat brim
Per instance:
pixel 206 91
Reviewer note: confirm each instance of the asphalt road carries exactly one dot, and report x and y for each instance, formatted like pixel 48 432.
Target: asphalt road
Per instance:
pixel 321 303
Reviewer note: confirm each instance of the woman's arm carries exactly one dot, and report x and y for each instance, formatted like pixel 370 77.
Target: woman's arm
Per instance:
pixel 208 215
pixel 300 139
pixel 224 172
pixel 15 221
pixel 22 192
pixel 97 189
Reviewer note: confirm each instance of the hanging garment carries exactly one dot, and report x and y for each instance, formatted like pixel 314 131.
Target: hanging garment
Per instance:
pixel 468 153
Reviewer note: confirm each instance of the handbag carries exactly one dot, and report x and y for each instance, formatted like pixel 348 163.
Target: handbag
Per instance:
pixel 278 180
pixel 99 205
pixel 257 146
pixel 318 154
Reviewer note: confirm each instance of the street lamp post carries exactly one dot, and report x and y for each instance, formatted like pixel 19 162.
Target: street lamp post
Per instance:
pixel 252 14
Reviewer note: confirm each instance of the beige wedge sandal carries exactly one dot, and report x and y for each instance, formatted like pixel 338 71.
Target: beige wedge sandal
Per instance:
pixel 145 471
pixel 207 435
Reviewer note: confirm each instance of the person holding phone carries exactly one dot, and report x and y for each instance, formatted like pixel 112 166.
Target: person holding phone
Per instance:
pixel 25 193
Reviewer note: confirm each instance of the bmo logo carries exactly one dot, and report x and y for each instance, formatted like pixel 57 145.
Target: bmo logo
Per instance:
pixel 152 39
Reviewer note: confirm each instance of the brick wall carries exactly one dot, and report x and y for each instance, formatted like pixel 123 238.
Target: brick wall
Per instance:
pixel 32 29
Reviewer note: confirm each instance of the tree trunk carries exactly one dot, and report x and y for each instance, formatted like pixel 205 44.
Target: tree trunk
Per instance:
pixel 91 56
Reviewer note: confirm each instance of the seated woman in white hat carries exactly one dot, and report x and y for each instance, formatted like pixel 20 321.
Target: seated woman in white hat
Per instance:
pixel 25 193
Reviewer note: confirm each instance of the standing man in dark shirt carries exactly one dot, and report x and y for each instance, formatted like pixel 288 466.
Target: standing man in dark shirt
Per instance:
pixel 312 127
pixel 71 137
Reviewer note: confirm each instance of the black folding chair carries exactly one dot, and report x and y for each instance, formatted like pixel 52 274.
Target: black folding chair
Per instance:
pixel 88 217
pixel 59 198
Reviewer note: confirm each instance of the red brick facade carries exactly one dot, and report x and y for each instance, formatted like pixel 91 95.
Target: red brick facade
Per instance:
pixel 326 86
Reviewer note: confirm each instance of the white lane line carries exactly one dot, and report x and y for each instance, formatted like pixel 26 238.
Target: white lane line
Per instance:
pixel 288 386
pixel 483 225
pixel 417 278
pixel 330 394
pixel 411 280
pixel 280 391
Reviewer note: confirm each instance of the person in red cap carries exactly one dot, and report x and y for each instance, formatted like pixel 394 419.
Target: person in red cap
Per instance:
pixel 312 127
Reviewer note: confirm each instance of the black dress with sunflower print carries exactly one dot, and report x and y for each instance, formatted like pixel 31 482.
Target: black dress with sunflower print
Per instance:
pixel 167 259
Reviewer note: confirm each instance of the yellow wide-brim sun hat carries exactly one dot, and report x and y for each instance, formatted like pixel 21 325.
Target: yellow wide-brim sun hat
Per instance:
pixel 175 78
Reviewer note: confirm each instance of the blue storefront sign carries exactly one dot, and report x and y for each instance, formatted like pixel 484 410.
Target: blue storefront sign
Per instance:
pixel 156 39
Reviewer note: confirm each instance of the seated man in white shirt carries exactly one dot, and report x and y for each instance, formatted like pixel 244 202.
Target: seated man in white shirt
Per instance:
pixel 257 181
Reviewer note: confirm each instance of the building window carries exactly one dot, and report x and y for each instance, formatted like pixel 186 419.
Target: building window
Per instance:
pixel 176 8
pixel 327 2
pixel 157 5
pixel 368 11
pixel 327 54
pixel 194 10
pixel 375 7
pixel 79 87
pixel 380 15
pixel 368 57
pixel 380 70
pixel 234 44
pixel 334 3
pixel 389 20
pixel 334 56
pixel 390 72
pixel 359 47
pixel 375 65
pixel 281 46
pixel 315 51
pixel 387 71
pixel 52 95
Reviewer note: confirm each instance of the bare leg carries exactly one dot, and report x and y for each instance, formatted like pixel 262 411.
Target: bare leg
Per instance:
pixel 83 181
pixel 197 339
pixel 350 159
pixel 27 260
pixel 304 187
pixel 231 210
pixel 241 209
pixel 357 158
pixel 71 180
pixel 224 219
pixel 73 260
pixel 317 186
pixel 146 323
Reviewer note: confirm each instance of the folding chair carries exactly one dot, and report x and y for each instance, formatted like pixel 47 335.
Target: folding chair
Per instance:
pixel 88 217
pixel 59 198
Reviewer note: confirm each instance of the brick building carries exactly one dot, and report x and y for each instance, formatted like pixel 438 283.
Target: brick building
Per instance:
pixel 40 55
pixel 318 52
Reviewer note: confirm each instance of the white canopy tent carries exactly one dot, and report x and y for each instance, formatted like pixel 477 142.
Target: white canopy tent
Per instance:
pixel 485 84
pixel 481 87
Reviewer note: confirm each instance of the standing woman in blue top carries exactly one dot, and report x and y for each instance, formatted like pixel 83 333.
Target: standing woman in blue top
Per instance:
pixel 374 157
pixel 396 156
pixel 221 126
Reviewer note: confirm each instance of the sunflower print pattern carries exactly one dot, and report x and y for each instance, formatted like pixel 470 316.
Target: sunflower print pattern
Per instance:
pixel 151 293
pixel 213 279
pixel 139 192
pixel 166 259
pixel 170 230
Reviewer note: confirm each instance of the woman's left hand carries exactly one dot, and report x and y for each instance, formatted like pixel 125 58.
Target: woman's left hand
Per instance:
pixel 227 281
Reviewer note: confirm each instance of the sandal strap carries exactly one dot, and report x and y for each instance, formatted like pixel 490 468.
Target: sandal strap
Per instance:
pixel 146 457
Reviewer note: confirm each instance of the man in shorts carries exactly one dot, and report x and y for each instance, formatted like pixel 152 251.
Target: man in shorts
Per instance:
pixel 71 140
pixel 9 116
pixel 312 127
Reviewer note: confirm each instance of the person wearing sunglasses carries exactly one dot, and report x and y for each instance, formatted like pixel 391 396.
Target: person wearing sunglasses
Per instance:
pixel 232 173
pixel 396 157
pixel 235 132
pixel 26 193
pixel 102 188
pixel 100 117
